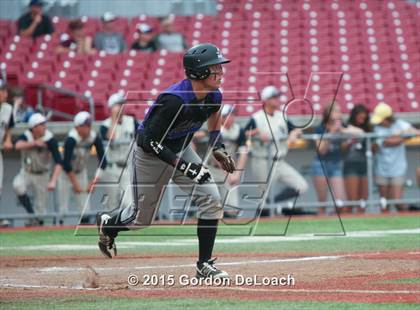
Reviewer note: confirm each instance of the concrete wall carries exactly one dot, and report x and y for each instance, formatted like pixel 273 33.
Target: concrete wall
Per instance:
pixel 12 9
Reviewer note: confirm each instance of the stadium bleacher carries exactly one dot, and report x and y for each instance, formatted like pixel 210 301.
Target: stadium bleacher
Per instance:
pixel 376 45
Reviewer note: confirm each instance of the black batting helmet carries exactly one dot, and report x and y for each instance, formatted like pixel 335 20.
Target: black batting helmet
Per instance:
pixel 198 59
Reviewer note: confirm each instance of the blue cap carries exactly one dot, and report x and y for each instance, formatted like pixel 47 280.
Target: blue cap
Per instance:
pixel 36 2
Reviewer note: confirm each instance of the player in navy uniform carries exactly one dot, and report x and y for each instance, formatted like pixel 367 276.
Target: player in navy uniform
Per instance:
pixel 163 152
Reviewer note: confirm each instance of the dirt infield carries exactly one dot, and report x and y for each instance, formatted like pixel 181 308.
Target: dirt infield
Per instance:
pixel 367 277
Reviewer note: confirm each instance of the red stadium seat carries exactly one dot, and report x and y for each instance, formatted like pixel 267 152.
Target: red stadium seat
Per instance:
pixel 373 43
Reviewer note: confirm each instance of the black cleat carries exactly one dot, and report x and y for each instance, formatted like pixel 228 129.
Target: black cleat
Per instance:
pixel 208 270
pixel 105 242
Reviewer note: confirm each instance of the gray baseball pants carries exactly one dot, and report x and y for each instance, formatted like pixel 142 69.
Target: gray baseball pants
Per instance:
pixel 151 175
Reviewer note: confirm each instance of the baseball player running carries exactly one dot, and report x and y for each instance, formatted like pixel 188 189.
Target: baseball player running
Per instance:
pixel 6 123
pixel 76 153
pixel 37 146
pixel 163 152
pixel 119 131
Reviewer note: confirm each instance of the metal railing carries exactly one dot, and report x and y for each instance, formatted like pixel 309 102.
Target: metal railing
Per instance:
pixel 370 202
pixel 369 159
pixel 67 92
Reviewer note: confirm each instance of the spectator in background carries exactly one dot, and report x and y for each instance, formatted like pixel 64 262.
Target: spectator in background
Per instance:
pixel 76 153
pixel 327 165
pixel 6 123
pixel 109 40
pixel 75 40
pixel 390 158
pixel 118 132
pixel 21 111
pixel 169 38
pixel 34 23
pixel 355 163
pixel 269 125
pixel 145 41
pixel 38 148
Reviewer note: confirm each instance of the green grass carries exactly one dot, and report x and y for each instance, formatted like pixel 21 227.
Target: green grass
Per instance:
pixel 93 302
pixel 334 226
pixel 296 225
pixel 11 241
pixel 327 245
pixel 403 281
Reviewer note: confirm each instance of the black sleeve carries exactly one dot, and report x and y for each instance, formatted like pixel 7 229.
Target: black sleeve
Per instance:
pixel 100 153
pixel 11 122
pixel 241 141
pixel 159 121
pixel 22 23
pixel 136 123
pixel 103 131
pixel 53 148
pixel 134 46
pixel 69 145
pixel 251 125
pixel 153 45
pixel 48 25
pixel 156 40
pixel 290 126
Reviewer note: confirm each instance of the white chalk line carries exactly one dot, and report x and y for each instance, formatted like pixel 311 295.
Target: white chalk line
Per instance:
pixel 288 290
pixel 235 288
pixel 58 269
pixel 220 240
pixel 11 285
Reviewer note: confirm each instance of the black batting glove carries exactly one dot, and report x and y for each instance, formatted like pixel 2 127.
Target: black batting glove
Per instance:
pixel 196 172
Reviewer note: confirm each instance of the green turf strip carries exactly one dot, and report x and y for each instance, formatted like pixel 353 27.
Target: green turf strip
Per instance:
pixel 402 281
pixel 93 302
pixel 11 241
pixel 279 227
pixel 331 246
